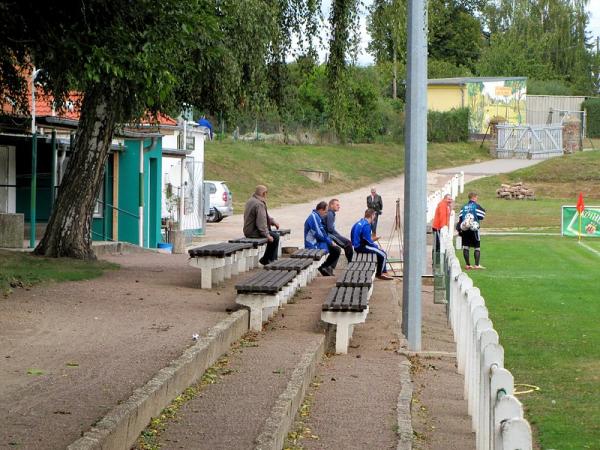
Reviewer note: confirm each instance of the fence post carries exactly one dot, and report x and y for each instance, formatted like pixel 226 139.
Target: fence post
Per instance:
pixel 478 311
pixel 482 325
pixel 463 321
pixel 487 337
pixel 505 405
pixel 461 182
pixel 493 355
pixel 516 435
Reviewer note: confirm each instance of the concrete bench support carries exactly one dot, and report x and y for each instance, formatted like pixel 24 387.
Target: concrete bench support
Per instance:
pixel 344 322
pixel 213 270
pixel 258 303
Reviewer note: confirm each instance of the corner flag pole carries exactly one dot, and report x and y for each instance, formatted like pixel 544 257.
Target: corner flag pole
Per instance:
pixel 580 208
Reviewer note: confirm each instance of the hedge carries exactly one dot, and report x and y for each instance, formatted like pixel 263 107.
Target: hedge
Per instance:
pixel 449 126
pixel 592 109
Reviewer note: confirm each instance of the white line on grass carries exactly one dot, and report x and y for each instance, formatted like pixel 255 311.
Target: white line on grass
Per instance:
pixel 589 248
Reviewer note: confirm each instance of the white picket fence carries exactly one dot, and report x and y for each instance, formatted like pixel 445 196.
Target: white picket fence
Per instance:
pixel 497 415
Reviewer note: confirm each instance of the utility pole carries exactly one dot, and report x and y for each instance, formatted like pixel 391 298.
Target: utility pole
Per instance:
pixel 33 193
pixel 415 182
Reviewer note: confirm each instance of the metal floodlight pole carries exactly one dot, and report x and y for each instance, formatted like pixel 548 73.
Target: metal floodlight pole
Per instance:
pixel 415 181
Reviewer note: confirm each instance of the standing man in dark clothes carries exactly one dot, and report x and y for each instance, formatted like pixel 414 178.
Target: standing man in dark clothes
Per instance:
pixel 329 221
pixel 362 241
pixel 315 236
pixel 375 203
pixel 257 223
pixel 468 227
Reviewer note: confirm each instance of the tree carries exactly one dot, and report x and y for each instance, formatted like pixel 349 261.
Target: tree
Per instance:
pixel 132 60
pixel 343 21
pixel 387 26
pixel 543 40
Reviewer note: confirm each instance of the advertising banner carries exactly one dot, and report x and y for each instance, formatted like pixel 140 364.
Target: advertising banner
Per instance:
pixel 590 221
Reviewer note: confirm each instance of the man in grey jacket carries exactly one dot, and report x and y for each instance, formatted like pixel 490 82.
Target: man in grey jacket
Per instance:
pixel 329 222
pixel 375 203
pixel 257 223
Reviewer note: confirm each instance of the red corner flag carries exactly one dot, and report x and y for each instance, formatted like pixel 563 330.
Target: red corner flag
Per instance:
pixel 580 205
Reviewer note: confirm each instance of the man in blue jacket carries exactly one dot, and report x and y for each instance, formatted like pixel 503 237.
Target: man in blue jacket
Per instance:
pixel 329 221
pixel 363 243
pixel 315 236
pixel 471 214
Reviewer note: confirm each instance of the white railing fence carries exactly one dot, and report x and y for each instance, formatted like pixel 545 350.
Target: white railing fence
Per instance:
pixel 454 186
pixel 497 415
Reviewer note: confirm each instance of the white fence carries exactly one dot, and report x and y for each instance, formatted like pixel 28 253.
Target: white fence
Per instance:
pixel 529 141
pixel 455 186
pixel 497 415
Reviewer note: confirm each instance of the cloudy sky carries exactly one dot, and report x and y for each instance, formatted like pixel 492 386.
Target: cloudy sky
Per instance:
pixel 364 58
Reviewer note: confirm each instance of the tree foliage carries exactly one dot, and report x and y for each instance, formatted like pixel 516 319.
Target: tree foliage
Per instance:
pixel 134 59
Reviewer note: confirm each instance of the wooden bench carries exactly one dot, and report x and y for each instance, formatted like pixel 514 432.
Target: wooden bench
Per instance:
pixel 264 292
pixel 254 253
pixel 302 266
pixel 356 278
pixel 344 307
pixel 218 261
pixel 317 256
pixel 364 257
pixel 348 303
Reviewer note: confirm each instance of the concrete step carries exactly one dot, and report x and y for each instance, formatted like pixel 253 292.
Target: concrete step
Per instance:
pixel 260 382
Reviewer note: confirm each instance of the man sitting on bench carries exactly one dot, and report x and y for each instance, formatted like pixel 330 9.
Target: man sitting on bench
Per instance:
pixel 316 237
pixel 362 241
pixel 257 223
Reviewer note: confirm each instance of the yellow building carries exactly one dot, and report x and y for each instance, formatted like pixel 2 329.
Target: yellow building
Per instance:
pixel 486 97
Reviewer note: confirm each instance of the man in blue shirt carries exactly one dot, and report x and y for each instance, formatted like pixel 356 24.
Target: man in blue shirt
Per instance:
pixel 204 122
pixel 316 237
pixel 329 221
pixel 362 242
pixel 471 214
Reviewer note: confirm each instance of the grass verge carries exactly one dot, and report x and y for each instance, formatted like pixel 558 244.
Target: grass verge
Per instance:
pixel 244 165
pixel 541 292
pixel 19 269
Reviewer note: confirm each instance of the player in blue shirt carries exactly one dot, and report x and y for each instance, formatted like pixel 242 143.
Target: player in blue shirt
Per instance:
pixel 315 236
pixel 362 242
pixel 469 223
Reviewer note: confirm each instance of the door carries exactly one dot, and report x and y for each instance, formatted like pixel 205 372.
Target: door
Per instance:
pixel 8 191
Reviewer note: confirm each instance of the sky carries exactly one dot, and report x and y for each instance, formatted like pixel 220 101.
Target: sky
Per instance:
pixel 365 59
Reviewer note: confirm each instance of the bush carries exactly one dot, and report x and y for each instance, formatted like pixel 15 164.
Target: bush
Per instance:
pixel 448 126
pixel 592 109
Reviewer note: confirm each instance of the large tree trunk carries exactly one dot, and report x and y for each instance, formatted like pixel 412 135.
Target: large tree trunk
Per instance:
pixel 69 230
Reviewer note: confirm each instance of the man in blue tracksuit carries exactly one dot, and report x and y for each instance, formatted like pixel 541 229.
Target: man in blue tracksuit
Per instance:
pixel 329 222
pixel 363 243
pixel 316 237
pixel 469 219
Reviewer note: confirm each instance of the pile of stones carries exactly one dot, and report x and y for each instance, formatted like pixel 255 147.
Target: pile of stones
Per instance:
pixel 516 191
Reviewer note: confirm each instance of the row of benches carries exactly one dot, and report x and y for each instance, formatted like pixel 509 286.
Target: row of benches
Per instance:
pixel 347 304
pixel 223 260
pixel 268 289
